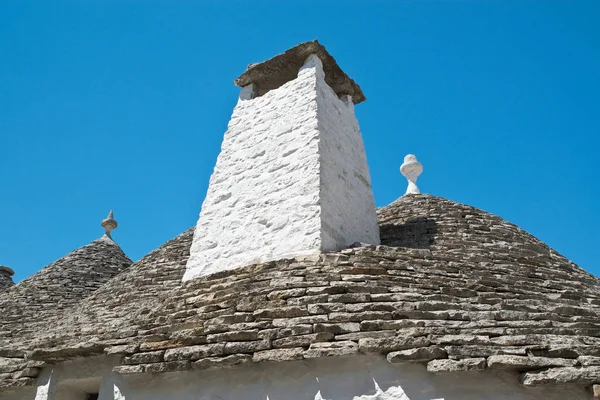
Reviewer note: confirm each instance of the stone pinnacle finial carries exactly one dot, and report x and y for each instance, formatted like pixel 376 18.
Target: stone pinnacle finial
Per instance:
pixel 411 169
pixel 6 277
pixel 109 223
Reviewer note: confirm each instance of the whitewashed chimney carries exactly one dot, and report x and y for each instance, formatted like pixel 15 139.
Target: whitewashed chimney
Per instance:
pixel 292 176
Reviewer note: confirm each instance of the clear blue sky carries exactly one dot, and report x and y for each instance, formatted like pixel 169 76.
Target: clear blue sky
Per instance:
pixel 123 105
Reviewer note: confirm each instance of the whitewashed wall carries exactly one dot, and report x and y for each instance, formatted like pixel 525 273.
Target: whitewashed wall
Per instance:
pixel 291 179
pixel 348 212
pixel 356 378
pixel 70 380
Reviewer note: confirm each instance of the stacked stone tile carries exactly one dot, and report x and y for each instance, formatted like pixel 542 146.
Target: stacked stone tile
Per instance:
pixel 451 286
pixel 6 278
pixel 35 304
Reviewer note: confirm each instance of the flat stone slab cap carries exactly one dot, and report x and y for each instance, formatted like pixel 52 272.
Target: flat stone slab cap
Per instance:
pixel 7 270
pixel 282 68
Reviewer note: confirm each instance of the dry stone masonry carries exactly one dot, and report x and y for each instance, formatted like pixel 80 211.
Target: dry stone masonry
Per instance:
pixel 451 287
pixel 30 308
pixel 292 177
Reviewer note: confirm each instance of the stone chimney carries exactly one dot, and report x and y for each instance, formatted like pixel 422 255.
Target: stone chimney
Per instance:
pixel 6 277
pixel 292 176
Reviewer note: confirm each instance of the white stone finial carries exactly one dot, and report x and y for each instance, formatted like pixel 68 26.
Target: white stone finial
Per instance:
pixel 411 169
pixel 109 223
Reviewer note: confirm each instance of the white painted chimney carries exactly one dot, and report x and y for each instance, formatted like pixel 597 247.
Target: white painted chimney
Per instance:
pixel 292 176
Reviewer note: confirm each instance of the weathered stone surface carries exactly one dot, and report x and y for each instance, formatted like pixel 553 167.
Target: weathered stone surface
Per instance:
pixel 586 361
pixel 281 312
pixel 339 328
pixel 476 351
pixel 217 362
pixel 52 354
pixel 385 345
pixel 246 347
pixel 460 340
pixel 194 352
pixel 356 336
pixel 284 67
pixel 27 373
pixel 331 349
pixel 122 349
pixel 233 336
pixel 160 345
pixel 557 376
pixel 468 364
pixel 12 353
pixel 12 366
pixel 302 340
pixel 171 366
pixel 279 355
pixel 189 336
pixel 422 354
pixel 279 333
pixel 521 363
pixel 128 369
pixel 145 358
pixel 291 322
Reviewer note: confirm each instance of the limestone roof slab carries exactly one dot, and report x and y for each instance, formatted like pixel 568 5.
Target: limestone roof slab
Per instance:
pixel 282 68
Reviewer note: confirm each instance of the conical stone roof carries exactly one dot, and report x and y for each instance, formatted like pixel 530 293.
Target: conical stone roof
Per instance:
pixel 47 295
pixel 451 286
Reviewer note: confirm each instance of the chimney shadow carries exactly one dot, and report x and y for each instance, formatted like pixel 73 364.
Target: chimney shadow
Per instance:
pixel 414 233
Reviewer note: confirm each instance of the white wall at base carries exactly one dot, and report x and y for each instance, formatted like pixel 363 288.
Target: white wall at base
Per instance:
pixel 353 378
pixel 291 179
pixel 46 385
pixel 110 389
pixel 70 380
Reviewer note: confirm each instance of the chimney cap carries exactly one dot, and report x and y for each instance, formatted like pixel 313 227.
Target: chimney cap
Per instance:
pixel 7 270
pixel 282 68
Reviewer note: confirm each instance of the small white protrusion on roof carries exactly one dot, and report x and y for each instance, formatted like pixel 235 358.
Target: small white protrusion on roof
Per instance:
pixel 109 223
pixel 411 169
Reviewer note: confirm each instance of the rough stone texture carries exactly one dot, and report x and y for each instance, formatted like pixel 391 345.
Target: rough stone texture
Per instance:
pixel 576 375
pixel 527 363
pixel 422 354
pixel 28 309
pixel 447 275
pixel 6 281
pixel 468 364
pixel 47 294
pixel 291 180
pixel 277 71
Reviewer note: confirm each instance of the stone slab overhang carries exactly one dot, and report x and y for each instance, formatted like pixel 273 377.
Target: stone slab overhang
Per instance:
pixel 282 68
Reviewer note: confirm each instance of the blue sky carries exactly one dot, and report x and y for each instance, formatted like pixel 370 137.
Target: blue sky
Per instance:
pixel 123 105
